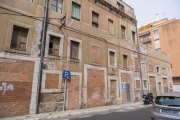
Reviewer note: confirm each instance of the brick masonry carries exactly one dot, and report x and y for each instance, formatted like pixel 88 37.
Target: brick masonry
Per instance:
pixel 150 67
pixel 17 77
pixel 73 93
pixel 138 84
pixel 52 81
pixel 127 78
pixel 96 55
pixel 95 88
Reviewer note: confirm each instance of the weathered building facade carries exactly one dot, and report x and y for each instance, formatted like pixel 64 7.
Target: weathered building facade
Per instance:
pixel 97 45
pixel 162 34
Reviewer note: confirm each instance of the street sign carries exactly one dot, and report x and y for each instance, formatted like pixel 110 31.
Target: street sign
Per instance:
pixel 66 74
pixel 123 86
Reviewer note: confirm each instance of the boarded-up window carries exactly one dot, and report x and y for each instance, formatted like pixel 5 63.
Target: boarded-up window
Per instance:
pixel 121 7
pixel 113 86
pixel 54 45
pixel 57 6
pixel 133 37
pixel 19 38
pixel 75 13
pixel 138 84
pixel 125 61
pixel 95 17
pixel 145 84
pixel 74 50
pixel 150 67
pixel 123 32
pixel 164 80
pixel 112 58
pixel 110 26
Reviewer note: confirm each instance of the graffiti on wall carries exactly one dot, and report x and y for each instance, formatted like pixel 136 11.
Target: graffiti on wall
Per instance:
pixel 6 87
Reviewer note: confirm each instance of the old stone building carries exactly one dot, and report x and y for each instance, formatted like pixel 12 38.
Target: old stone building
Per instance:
pixel 162 35
pixel 97 45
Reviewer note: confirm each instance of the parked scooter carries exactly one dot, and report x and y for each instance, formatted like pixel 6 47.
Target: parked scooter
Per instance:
pixel 147 98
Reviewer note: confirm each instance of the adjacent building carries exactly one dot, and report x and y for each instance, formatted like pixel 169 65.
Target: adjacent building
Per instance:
pixel 163 35
pixel 97 44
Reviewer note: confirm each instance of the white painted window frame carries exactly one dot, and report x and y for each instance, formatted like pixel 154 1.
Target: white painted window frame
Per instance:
pixel 60 45
pixel 109 86
pixel 43 89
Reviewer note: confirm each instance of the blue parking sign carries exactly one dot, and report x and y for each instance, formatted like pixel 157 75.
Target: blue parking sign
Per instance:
pixel 66 74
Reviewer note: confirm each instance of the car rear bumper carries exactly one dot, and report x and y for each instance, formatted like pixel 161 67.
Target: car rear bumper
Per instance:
pixel 160 116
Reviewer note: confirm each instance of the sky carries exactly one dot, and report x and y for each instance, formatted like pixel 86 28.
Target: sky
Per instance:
pixel 147 9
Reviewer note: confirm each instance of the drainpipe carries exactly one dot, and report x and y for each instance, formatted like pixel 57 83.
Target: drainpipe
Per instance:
pixel 42 55
pixel 139 59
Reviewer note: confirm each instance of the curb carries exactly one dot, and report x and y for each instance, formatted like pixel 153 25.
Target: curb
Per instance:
pixel 84 112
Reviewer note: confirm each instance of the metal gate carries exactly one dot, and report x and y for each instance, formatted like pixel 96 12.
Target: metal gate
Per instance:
pixel 128 93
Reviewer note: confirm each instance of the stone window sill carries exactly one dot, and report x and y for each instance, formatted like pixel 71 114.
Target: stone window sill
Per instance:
pixel 17 51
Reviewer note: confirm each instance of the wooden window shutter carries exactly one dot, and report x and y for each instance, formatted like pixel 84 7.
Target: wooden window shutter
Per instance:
pixel 54 45
pixel 75 13
pixel 19 38
pixel 74 50
pixel 95 17
pixel 125 61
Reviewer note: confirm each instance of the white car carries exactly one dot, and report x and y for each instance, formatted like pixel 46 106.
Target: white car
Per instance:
pixel 166 107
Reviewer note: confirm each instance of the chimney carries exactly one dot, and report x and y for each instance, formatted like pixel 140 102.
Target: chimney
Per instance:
pixel 157 17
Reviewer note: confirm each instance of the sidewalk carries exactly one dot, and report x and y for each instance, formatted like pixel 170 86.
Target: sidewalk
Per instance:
pixel 70 112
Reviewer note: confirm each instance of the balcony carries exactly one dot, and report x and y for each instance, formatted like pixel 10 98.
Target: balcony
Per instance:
pixel 146 41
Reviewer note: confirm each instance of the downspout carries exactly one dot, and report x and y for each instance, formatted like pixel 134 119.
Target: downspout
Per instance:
pixel 42 55
pixel 139 59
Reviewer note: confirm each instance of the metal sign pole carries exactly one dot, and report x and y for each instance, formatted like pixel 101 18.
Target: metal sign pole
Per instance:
pixel 64 97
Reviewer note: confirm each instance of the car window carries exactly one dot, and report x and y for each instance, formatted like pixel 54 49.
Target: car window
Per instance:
pixel 167 101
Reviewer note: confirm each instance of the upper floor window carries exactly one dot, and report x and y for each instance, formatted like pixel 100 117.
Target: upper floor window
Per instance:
pixel 155 32
pixel 95 17
pixel 74 50
pixel 19 38
pixel 123 32
pixel 110 26
pixel 57 6
pixel 157 70
pixel 54 45
pixel 112 58
pixel 30 0
pixel 75 13
pixel 133 37
pixel 121 7
pixel 125 61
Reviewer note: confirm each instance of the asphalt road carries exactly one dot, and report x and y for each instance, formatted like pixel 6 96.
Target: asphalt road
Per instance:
pixel 130 113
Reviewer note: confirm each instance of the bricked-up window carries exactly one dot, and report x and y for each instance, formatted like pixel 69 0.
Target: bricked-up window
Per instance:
pixel 157 69
pixel 138 84
pixel 145 84
pixel 150 67
pixel 95 17
pixel 121 7
pixel 110 26
pixel 125 61
pixel 19 38
pixel 123 32
pixel 57 6
pixel 75 13
pixel 74 50
pixel 133 37
pixel 30 0
pixel 163 70
pixel 112 58
pixel 54 45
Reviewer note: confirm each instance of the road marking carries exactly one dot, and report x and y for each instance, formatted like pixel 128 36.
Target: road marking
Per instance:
pixel 64 119
pixel 140 106
pixel 130 108
pixel 85 116
pixel 119 111
pixel 103 113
